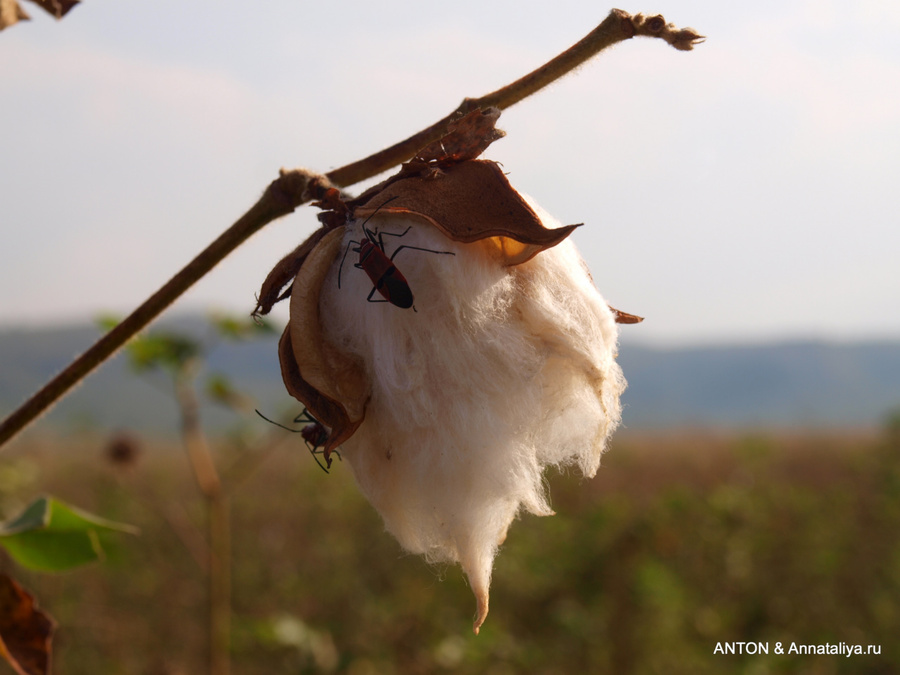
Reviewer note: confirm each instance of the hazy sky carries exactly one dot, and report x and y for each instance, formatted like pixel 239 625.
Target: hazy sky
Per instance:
pixel 743 191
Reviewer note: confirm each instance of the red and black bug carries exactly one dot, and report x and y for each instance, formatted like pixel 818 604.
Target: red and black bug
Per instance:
pixel 314 435
pixel 387 280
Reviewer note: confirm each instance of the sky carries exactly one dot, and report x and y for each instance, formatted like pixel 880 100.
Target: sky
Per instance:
pixel 743 192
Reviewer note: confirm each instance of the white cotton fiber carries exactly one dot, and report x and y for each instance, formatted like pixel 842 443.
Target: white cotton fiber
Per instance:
pixel 498 373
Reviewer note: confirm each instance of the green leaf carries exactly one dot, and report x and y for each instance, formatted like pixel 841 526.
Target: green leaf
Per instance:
pixel 51 536
pixel 162 350
pixel 219 389
pixel 106 322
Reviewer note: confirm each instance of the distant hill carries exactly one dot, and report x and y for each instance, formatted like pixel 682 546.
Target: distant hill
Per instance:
pixel 808 384
pixel 115 397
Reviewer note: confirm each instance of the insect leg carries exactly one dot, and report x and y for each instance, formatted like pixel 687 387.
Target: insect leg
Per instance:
pixel 305 417
pixel 390 234
pixel 321 466
pixel 419 248
pixel 373 292
pixel 346 251
pixel 281 426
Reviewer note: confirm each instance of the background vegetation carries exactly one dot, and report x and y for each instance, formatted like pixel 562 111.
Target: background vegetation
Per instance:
pixel 682 541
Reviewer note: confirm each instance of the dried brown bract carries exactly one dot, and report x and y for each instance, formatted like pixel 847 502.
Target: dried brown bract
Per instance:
pixel 26 631
pixel 468 202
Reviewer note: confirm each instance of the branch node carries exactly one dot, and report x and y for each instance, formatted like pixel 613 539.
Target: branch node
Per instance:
pixel 683 39
pixel 291 188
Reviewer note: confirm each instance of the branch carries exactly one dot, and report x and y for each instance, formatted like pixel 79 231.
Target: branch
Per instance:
pixel 281 197
pixel 293 188
pixel 617 27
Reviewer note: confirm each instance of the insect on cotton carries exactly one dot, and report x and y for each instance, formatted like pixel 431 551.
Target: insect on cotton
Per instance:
pixel 504 371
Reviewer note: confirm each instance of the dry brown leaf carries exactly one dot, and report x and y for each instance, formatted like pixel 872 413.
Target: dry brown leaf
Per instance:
pixel 25 631
pixel 10 13
pixel 468 202
pixel 330 413
pixel 625 317
pixel 330 371
pixel 331 384
pixel 58 8
pixel 465 140
pixel 279 282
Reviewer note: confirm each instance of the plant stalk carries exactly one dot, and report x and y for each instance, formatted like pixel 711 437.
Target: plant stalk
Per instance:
pixel 218 524
pixel 289 191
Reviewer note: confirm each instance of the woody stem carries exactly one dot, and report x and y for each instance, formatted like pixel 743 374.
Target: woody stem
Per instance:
pixel 289 191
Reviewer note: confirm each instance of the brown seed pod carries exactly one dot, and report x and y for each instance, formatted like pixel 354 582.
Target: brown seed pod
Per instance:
pixel 279 282
pixel 331 384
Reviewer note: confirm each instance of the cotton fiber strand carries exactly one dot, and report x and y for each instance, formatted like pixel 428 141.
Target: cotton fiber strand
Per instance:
pixel 499 373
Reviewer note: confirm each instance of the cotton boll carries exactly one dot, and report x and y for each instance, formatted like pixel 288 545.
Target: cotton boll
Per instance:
pixel 496 374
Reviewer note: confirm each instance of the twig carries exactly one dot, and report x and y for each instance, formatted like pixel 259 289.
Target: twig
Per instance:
pixel 281 197
pixel 217 521
pixel 618 26
pixel 289 191
pixel 219 518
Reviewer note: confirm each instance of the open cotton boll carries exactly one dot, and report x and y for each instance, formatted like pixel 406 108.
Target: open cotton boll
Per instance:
pixel 497 373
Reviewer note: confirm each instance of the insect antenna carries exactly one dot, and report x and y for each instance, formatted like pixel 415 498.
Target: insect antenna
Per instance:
pixel 378 208
pixel 278 424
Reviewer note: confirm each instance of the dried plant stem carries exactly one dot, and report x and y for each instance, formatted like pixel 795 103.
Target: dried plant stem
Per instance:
pixel 281 197
pixel 618 26
pixel 219 514
pixel 289 191
pixel 218 524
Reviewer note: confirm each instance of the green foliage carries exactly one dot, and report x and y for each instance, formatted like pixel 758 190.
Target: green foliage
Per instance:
pixel 674 547
pixel 169 351
pixel 219 388
pixel 157 349
pixel 892 427
pixel 51 536
pixel 177 352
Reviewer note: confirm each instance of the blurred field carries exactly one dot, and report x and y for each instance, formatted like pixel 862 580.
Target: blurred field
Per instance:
pixel 683 541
